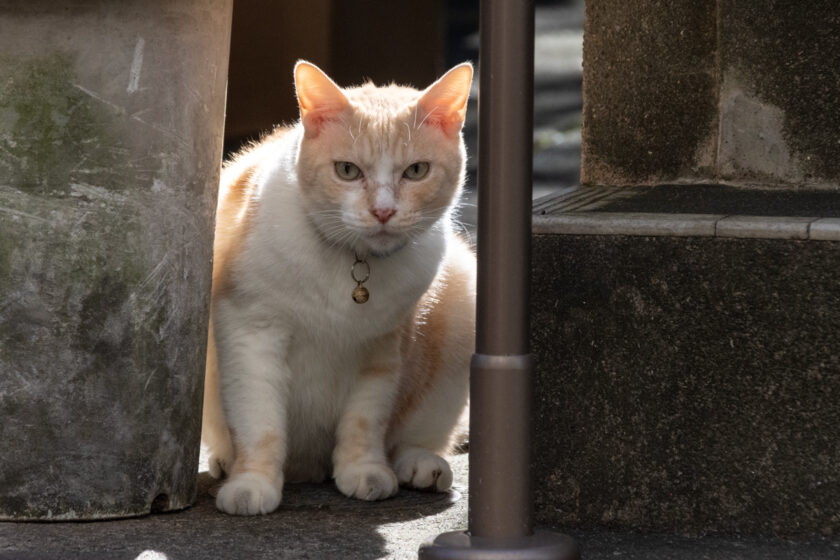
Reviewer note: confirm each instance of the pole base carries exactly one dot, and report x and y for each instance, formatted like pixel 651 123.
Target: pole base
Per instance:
pixel 542 545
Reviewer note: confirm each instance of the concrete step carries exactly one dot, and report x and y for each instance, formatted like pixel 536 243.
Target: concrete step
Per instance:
pixel 688 360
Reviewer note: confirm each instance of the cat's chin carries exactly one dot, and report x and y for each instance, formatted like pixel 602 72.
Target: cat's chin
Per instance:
pixel 383 244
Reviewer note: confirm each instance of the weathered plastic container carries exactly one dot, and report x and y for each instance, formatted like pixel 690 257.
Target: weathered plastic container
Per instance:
pixel 111 121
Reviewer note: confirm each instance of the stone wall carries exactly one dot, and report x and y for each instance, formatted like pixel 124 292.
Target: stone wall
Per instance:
pixel 743 92
pixel 687 385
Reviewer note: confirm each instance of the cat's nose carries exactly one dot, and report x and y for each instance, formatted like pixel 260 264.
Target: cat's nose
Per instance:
pixel 383 214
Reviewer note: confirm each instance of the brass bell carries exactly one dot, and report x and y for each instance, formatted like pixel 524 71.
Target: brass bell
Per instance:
pixel 360 294
pixel 360 272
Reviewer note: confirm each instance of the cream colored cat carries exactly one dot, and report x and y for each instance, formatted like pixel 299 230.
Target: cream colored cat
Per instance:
pixel 302 382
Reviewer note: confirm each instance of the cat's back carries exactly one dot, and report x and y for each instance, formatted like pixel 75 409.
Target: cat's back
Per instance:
pixel 238 202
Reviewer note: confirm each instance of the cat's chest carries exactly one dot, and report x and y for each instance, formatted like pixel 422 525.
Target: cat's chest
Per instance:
pixel 308 284
pixel 312 294
pixel 331 308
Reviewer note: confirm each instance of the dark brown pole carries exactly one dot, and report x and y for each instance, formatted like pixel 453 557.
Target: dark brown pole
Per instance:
pixel 506 108
pixel 500 516
pixel 500 382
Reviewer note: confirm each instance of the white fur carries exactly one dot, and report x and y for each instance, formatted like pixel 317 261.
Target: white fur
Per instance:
pixel 385 196
pixel 370 481
pixel 420 468
pixel 248 494
pixel 385 170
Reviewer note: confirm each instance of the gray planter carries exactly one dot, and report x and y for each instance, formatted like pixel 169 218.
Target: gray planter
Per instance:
pixel 111 117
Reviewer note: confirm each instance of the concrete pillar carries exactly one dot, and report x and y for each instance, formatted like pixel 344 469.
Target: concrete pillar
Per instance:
pixel 110 141
pixel 713 91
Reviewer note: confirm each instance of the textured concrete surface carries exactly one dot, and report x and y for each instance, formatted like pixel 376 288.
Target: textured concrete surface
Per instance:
pixel 736 91
pixel 728 200
pixel 687 385
pixel 110 136
pixel 782 60
pixel 314 521
pixel 650 90
pixel 598 544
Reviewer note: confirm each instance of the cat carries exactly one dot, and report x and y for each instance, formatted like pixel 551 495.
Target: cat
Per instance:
pixel 305 379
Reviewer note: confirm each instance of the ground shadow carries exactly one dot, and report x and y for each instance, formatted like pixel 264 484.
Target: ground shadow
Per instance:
pixel 314 521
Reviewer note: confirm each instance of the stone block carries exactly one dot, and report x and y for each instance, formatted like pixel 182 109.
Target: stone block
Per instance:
pixel 650 91
pixel 737 91
pixel 779 118
pixel 688 384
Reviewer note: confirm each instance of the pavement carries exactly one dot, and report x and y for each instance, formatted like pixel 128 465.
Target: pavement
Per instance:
pixel 314 521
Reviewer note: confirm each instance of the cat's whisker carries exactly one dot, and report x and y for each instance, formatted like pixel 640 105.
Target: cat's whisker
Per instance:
pixel 461 227
pixel 326 212
pixel 338 235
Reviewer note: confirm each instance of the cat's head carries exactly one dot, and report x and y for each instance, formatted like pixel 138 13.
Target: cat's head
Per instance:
pixel 380 165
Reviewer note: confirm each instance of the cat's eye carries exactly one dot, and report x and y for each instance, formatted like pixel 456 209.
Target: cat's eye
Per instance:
pixel 416 171
pixel 347 171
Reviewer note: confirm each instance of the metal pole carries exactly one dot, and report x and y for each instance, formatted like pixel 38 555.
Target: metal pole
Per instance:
pixel 500 384
pixel 500 518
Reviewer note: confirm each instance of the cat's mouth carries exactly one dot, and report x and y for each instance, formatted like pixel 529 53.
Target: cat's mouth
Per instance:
pixel 382 235
pixel 383 242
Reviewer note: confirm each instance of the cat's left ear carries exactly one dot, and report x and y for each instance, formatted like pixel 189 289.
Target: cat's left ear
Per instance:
pixel 320 100
pixel 444 103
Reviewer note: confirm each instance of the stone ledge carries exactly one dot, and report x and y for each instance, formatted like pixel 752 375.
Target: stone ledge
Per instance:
pixel 688 225
pixel 690 211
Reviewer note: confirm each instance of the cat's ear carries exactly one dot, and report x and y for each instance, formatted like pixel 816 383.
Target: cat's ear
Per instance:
pixel 320 100
pixel 444 103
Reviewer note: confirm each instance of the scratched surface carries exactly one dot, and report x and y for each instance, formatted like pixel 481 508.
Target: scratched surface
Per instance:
pixel 110 138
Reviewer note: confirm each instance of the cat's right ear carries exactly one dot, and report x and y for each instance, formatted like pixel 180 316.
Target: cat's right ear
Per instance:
pixel 320 100
pixel 444 103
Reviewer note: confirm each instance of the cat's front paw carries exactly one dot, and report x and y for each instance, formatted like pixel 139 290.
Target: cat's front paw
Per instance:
pixel 372 480
pixel 420 468
pixel 248 493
